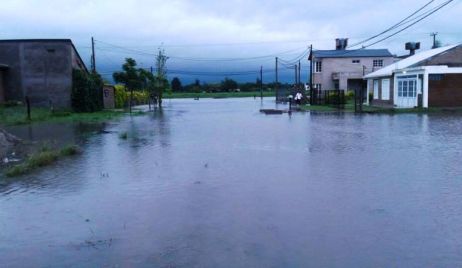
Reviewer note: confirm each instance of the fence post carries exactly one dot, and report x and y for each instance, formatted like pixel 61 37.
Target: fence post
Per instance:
pixel 28 108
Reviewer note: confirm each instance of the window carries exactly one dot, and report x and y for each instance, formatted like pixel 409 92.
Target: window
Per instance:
pixel 405 83
pixel 377 63
pixel 317 86
pixel 356 61
pixel 317 66
pixel 400 88
pixel 376 89
pixel 407 88
pixel 436 77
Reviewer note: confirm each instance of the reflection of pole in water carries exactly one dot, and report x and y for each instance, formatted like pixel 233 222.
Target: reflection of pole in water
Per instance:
pixel 29 132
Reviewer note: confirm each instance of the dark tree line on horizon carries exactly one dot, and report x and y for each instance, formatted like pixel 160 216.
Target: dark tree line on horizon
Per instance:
pixel 226 85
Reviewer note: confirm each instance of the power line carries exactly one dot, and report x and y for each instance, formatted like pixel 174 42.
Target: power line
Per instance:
pixel 140 52
pixel 420 18
pixel 296 59
pixel 236 59
pixel 394 26
pixel 407 27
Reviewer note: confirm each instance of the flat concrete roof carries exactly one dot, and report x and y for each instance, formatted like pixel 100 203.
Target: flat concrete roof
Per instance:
pixel 47 40
pixel 35 40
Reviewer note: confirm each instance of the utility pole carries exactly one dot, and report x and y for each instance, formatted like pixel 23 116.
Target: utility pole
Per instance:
pixel 296 75
pixel 299 73
pixel 277 81
pixel 261 82
pixel 311 74
pixel 434 39
pixel 151 70
pixel 93 61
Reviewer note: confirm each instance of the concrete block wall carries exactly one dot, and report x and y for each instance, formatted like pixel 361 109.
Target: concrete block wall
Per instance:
pixel 39 69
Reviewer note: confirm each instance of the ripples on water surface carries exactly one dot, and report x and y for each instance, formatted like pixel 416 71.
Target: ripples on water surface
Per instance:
pixel 214 183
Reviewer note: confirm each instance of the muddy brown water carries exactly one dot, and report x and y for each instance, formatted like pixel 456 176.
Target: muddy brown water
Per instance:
pixel 215 183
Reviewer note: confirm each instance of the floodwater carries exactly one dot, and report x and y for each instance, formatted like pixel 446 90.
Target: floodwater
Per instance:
pixel 215 183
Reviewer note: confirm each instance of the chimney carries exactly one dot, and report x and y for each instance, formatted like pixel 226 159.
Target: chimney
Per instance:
pixel 412 47
pixel 341 43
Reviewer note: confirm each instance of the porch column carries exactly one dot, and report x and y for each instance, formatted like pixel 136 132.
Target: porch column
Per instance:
pixel 425 90
pixel 368 89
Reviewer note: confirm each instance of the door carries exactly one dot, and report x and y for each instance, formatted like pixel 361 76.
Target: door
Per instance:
pixel 407 92
pixel 386 89
pixel 376 89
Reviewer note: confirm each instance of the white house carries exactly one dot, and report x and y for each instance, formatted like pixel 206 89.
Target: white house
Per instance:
pixel 432 78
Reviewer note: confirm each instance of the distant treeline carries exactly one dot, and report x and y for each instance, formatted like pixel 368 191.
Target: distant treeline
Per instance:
pixel 226 85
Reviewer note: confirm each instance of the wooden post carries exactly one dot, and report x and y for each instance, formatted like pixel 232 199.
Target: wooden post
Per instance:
pixel 93 58
pixel 131 100
pixel 299 73
pixel 311 75
pixel 261 82
pixel 28 108
pixel 277 81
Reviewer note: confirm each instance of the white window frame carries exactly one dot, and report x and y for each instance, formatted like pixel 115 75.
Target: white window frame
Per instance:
pixel 407 86
pixel 377 63
pixel 386 90
pixel 375 84
pixel 318 66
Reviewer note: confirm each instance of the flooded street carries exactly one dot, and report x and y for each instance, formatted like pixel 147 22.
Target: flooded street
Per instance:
pixel 215 183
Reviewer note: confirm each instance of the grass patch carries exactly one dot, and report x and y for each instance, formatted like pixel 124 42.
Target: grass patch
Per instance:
pixel 349 107
pixel 320 108
pixel 69 150
pixel 218 95
pixel 44 157
pixel 17 115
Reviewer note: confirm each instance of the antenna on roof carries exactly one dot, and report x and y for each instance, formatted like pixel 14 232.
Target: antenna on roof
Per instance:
pixel 435 44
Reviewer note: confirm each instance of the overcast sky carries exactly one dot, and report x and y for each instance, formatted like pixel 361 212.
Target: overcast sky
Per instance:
pixel 224 29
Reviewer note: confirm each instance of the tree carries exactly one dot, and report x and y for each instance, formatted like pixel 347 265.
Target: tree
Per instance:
pixel 228 84
pixel 130 76
pixel 197 86
pixel 176 84
pixel 161 81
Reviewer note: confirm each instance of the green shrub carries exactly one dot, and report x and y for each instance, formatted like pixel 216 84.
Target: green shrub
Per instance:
pixel 122 97
pixel 87 91
pixel 349 95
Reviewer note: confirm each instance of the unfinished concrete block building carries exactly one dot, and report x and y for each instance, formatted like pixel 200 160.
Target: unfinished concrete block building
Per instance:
pixel 40 69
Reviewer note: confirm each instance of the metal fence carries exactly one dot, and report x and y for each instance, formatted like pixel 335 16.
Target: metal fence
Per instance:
pixel 328 97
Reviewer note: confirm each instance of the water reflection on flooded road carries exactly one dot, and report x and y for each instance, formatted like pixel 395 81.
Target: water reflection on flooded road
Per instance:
pixel 214 183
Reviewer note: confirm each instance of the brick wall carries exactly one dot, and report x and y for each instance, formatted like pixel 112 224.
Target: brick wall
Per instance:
pixel 445 91
pixel 379 101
